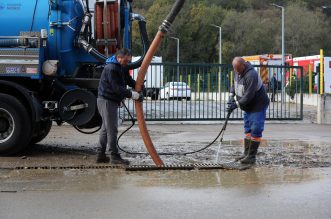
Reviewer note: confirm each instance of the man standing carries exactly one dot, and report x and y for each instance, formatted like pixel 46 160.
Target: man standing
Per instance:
pixel 273 86
pixel 249 94
pixel 112 90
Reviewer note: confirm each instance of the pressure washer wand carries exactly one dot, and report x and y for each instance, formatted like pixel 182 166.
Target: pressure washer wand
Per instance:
pixel 221 139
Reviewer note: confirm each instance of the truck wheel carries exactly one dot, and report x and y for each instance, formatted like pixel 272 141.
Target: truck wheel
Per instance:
pixel 15 125
pixel 44 128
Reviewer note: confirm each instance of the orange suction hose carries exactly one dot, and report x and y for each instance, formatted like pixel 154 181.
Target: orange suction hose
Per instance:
pixel 164 28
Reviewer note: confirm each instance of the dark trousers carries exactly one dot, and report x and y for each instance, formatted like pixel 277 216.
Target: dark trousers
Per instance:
pixel 273 94
pixel 109 112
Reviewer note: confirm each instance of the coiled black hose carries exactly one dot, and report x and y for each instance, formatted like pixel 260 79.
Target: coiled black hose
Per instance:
pixel 145 43
pixel 221 133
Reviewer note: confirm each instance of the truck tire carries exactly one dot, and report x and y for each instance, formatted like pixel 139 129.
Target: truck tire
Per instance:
pixel 15 125
pixel 44 129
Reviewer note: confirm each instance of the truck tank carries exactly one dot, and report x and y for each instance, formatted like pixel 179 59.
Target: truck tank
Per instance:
pixel 51 60
pixel 62 20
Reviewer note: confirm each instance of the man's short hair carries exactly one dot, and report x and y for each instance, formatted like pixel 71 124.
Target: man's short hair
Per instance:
pixel 239 60
pixel 123 52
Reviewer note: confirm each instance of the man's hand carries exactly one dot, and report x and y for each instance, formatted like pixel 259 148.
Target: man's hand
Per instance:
pixel 231 97
pixel 232 105
pixel 137 96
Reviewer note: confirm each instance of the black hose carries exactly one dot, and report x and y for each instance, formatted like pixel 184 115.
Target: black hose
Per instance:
pixel 171 16
pixel 175 10
pixel 168 153
pixel 87 7
pixel 144 41
pixel 87 133
pixel 99 56
pixel 102 58
pixel 34 14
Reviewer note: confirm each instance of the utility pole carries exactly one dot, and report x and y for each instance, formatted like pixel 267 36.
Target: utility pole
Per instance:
pixel 177 39
pixel 283 32
pixel 283 49
pixel 220 41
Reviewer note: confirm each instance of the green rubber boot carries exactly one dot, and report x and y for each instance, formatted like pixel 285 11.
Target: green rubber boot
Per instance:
pixel 251 157
pixel 247 143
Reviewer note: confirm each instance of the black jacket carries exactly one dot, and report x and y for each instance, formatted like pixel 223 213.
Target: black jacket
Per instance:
pixel 249 90
pixel 113 82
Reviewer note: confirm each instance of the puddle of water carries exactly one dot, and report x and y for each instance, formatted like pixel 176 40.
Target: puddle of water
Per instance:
pixel 91 180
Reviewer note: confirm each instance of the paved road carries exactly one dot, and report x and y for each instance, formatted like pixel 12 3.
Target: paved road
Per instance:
pixel 256 193
pixel 292 178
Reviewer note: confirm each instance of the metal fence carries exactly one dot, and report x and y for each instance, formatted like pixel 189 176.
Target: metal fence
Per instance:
pixel 200 92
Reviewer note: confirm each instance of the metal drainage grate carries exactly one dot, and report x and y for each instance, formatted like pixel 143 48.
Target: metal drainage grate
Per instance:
pixel 70 167
pixel 227 166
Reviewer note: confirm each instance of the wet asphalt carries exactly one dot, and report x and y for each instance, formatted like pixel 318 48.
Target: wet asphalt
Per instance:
pixel 292 178
pixel 255 193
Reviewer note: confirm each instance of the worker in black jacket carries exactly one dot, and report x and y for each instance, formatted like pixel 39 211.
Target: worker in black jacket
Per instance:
pixel 249 94
pixel 112 90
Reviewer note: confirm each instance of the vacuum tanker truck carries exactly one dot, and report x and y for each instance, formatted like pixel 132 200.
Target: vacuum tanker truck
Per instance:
pixel 52 53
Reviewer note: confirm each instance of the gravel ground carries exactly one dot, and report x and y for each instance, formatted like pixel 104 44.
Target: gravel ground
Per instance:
pixel 301 145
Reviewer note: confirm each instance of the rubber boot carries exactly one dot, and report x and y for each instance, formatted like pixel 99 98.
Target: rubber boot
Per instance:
pixel 102 158
pixel 117 159
pixel 247 142
pixel 251 157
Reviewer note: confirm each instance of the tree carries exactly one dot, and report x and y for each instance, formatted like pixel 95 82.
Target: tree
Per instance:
pixel 306 30
pixel 249 27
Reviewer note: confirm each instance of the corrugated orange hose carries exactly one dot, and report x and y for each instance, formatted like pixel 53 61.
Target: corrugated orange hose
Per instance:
pixel 141 77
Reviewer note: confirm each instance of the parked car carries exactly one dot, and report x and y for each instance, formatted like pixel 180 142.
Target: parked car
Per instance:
pixel 175 90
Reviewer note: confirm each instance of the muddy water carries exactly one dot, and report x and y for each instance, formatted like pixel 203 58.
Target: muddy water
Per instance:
pixel 255 193
pixel 272 153
pixel 285 145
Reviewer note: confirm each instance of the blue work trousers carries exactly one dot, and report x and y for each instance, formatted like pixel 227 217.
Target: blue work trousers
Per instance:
pixel 254 122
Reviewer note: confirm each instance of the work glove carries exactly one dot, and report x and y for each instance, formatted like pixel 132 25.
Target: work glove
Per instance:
pixel 137 96
pixel 232 105
pixel 231 98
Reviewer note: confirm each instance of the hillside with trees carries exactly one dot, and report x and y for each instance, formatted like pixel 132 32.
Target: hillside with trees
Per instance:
pixel 249 27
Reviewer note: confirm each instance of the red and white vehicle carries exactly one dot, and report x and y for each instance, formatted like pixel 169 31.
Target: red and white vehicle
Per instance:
pixel 314 61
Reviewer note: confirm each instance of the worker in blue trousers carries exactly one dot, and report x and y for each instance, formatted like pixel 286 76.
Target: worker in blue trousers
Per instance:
pixel 249 94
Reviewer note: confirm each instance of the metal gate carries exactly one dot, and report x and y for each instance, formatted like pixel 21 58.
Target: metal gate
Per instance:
pixel 188 92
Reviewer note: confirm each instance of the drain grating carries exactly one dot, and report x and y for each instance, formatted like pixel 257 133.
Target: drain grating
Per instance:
pixel 164 167
pixel 69 167
pixel 227 166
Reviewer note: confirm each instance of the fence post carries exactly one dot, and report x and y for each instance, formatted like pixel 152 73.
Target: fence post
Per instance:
pixel 198 80
pixel 219 82
pixel 310 79
pixel 291 72
pixel 321 71
pixel 189 80
pixel 208 76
